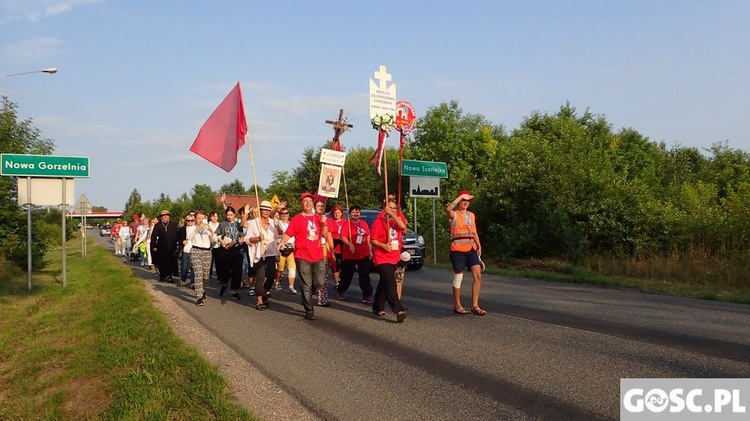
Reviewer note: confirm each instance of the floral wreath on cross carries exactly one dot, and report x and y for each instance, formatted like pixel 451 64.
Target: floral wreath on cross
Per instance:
pixel 383 122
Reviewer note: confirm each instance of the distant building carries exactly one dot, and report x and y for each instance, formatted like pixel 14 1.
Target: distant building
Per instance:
pixel 238 201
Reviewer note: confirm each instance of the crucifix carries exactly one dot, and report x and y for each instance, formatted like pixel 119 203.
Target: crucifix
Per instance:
pixel 339 127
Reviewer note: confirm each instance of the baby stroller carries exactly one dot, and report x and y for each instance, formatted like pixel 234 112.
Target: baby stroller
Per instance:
pixel 135 254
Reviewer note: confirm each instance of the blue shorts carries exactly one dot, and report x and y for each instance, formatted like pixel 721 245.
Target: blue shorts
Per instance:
pixel 461 260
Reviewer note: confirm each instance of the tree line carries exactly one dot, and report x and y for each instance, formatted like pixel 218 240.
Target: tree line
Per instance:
pixel 562 186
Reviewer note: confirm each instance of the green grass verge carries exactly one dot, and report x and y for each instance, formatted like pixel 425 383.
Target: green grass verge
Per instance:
pixel 98 349
pixel 562 272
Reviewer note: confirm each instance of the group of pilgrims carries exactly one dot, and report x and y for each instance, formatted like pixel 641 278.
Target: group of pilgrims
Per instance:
pixel 253 247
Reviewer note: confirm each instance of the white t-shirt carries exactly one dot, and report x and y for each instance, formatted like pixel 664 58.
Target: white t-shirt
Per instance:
pixel 270 239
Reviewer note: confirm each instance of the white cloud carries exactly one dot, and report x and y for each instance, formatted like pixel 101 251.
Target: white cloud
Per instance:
pixel 32 50
pixel 36 10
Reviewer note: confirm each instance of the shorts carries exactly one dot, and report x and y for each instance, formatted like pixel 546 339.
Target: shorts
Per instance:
pixel 286 262
pixel 461 260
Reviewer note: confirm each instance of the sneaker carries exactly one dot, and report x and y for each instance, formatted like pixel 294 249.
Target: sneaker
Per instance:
pixel 277 286
pixel 340 295
pixel 199 303
pixel 292 290
pixel 251 291
pixel 400 316
pixel 326 304
pixel 237 296
pixel 367 300
pixel 310 316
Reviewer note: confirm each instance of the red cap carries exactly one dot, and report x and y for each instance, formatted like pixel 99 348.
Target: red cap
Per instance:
pixel 318 198
pixel 464 191
pixel 304 195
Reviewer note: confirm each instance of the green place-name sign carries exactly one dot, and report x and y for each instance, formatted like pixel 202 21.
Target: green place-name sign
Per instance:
pixel 424 169
pixel 44 166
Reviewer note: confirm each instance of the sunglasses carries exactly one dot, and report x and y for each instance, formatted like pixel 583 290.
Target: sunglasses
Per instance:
pixel 190 220
pixel 283 213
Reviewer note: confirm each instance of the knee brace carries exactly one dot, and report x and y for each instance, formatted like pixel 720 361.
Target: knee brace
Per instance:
pixel 457 279
pixel 292 272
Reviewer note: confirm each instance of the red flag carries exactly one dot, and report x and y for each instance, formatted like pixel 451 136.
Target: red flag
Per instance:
pixel 378 155
pixel 223 134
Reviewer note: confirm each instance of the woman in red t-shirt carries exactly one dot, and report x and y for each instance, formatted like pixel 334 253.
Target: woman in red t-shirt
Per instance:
pixel 356 252
pixel 335 226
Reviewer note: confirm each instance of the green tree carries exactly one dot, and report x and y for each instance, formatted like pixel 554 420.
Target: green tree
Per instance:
pixel 235 187
pixel 134 204
pixel 19 137
pixel 203 197
pixel 285 187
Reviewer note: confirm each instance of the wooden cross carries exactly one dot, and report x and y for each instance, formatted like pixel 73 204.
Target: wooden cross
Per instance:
pixel 339 127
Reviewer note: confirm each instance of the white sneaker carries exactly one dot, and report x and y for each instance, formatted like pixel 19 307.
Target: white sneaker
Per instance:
pixel 277 286
pixel 292 290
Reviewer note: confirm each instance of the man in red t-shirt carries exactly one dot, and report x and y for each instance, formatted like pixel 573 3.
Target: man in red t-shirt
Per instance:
pixel 134 227
pixel 308 228
pixel 356 251
pixel 386 242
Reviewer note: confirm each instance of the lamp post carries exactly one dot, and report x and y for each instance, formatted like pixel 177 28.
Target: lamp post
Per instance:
pixel 49 70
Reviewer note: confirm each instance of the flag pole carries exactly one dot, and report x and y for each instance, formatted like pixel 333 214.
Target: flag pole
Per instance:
pixel 348 211
pixel 385 169
pixel 255 184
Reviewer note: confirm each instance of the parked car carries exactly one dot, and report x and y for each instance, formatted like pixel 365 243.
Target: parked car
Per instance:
pixel 105 230
pixel 413 242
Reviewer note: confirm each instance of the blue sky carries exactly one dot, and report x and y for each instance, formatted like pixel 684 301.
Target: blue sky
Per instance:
pixel 137 78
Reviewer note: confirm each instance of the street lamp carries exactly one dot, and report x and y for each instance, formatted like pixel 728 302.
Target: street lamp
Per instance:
pixel 49 70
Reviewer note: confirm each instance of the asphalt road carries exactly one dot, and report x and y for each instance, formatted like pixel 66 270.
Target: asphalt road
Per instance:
pixel 544 351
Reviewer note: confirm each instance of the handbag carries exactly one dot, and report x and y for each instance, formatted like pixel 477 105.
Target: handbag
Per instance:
pixel 287 250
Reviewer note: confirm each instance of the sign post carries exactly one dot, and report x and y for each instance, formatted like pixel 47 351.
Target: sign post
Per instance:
pixel 83 206
pixel 424 177
pixel 28 233
pixel 44 166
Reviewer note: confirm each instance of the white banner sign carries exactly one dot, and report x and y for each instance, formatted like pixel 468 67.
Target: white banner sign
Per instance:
pixel 382 95
pixel 329 156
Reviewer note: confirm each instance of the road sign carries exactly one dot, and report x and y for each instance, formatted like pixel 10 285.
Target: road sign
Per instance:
pixel 83 205
pixel 424 187
pixel 44 166
pixel 424 169
pixel 46 191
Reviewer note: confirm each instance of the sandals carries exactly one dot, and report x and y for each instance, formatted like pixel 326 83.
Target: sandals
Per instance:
pixel 260 307
pixel 478 311
pixel 380 313
pixel 460 310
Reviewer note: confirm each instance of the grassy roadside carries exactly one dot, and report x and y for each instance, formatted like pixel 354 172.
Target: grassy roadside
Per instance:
pixel 98 349
pixel 563 272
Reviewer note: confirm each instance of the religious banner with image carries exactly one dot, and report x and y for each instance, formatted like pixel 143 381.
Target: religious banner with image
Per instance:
pixel 330 177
